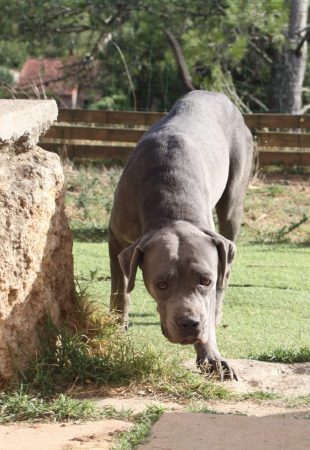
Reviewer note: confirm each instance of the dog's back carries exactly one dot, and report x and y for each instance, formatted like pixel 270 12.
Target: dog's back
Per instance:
pixel 182 163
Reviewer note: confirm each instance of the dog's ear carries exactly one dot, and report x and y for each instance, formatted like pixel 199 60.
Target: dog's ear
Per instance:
pixel 226 250
pixel 131 258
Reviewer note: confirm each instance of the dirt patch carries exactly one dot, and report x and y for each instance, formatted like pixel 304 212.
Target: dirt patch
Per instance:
pixel 288 381
pixel 61 436
pixel 283 379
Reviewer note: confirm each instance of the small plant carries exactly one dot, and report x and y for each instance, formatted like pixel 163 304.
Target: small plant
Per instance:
pixel 141 429
pixel 200 408
pixel 275 189
pixel 119 414
pixel 284 231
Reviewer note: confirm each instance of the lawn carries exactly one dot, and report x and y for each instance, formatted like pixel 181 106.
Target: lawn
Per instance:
pixel 267 305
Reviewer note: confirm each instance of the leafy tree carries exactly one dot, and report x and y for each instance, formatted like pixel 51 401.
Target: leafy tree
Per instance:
pixel 151 51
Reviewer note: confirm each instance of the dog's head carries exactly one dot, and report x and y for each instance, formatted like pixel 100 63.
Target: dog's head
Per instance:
pixel 182 268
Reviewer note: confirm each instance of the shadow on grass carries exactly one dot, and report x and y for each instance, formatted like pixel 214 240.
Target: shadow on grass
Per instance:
pixel 142 314
pixel 90 234
pixel 263 286
pixel 284 243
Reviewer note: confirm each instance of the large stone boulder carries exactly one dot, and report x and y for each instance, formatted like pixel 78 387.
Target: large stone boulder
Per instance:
pixel 36 265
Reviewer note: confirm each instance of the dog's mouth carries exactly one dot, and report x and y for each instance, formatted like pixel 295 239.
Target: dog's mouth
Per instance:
pixel 190 340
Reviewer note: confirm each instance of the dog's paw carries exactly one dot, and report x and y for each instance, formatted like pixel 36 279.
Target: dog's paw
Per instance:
pixel 218 367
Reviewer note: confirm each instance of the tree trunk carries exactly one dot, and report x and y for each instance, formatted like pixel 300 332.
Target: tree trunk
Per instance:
pixel 289 63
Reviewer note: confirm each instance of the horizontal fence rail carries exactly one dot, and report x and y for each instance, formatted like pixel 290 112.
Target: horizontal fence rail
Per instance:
pixel 112 135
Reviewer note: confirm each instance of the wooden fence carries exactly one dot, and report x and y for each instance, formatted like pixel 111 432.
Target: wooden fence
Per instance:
pixel 111 135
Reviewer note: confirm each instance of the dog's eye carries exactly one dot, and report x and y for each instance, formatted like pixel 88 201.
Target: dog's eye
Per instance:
pixel 162 285
pixel 204 281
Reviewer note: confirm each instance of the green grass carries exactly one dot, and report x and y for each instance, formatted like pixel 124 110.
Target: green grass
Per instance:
pixel 260 396
pixel 301 400
pixel 266 307
pixel 291 355
pixel 101 353
pixel 275 210
pixel 21 406
pixel 140 430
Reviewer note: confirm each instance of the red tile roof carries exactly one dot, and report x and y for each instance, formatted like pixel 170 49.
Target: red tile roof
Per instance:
pixel 49 72
pixel 56 76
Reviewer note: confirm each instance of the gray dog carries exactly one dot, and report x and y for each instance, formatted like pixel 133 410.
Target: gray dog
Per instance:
pixel 196 158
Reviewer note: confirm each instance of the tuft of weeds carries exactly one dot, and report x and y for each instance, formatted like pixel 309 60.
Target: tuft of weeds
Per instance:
pixel 200 408
pixel 95 350
pixel 143 422
pixel 288 356
pixel 120 414
pixel 109 357
pixel 301 400
pixel 22 406
pixel 260 396
pixel 280 235
pixel 181 383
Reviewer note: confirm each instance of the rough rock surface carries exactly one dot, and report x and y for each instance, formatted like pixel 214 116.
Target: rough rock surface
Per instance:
pixel 36 266
pixel 24 121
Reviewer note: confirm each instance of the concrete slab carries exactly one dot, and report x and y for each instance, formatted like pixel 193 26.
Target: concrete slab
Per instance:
pixel 25 119
pixel 187 431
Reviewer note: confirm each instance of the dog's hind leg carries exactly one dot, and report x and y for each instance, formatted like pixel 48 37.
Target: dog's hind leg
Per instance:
pixel 229 208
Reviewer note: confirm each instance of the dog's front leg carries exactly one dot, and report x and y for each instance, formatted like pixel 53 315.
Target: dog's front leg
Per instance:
pixel 209 358
pixel 120 299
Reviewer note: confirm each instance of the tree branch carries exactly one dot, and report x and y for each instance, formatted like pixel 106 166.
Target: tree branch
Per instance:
pixel 305 109
pixel 183 69
pixel 305 38
pixel 260 52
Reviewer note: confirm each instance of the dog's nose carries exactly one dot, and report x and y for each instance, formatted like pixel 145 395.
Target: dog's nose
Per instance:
pixel 189 324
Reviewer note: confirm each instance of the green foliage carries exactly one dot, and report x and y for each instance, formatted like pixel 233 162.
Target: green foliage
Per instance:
pixel 6 80
pixel 231 37
pixel 5 76
pixel 112 102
